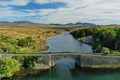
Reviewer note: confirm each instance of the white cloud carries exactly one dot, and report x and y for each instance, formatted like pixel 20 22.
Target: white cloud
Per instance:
pixel 84 10
pixel 75 10
pixel 14 2
pixel 42 1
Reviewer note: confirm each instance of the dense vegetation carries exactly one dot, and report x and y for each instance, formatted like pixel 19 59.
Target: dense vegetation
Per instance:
pixel 24 39
pixel 28 62
pixel 103 39
pixel 10 66
pixel 10 46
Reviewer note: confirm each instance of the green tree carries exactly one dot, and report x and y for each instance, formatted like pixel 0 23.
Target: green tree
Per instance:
pixel 8 67
pixel 28 62
pixel 83 33
pixel 117 46
pixel 25 42
pixel 1 51
pixel 105 50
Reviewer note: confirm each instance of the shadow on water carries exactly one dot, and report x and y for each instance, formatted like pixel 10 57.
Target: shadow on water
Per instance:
pixel 63 67
pixel 61 71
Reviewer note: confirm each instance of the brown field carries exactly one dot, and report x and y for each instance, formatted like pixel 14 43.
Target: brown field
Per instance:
pixel 39 34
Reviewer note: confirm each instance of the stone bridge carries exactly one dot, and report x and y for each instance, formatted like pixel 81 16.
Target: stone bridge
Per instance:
pixel 50 59
pixel 91 60
pixel 85 60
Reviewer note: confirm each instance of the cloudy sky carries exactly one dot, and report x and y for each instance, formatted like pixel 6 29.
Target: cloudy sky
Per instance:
pixel 61 11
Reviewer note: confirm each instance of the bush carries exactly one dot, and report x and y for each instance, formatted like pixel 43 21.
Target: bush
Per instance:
pixel 13 49
pixel 98 48
pixel 115 52
pixel 105 50
pixel 27 62
pixel 25 42
pixel 1 51
pixel 8 67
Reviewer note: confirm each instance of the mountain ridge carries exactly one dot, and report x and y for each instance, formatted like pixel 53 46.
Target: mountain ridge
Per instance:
pixel 76 24
pixel 30 23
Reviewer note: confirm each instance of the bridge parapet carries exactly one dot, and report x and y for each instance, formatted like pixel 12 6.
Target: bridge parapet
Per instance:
pixel 93 60
pixel 88 60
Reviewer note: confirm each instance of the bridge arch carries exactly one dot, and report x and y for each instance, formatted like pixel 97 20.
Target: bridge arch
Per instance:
pixel 51 59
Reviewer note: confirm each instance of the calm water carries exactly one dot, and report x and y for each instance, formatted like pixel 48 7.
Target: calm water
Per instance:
pixel 77 74
pixel 65 68
pixel 66 43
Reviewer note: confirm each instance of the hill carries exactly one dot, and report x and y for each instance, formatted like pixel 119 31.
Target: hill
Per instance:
pixel 24 24
pixel 75 24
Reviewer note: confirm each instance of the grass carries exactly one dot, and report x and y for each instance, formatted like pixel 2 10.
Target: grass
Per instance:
pixel 39 34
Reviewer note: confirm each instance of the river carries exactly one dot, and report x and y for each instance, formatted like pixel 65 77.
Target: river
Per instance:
pixel 66 43
pixel 77 74
pixel 65 69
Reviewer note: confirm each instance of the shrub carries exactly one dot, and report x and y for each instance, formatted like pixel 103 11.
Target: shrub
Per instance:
pixel 105 50
pixel 1 51
pixel 8 67
pixel 25 42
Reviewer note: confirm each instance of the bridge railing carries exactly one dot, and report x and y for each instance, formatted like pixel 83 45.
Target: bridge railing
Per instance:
pixel 47 54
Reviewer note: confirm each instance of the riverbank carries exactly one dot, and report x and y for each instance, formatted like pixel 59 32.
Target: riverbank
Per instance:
pixel 37 70
pixel 102 39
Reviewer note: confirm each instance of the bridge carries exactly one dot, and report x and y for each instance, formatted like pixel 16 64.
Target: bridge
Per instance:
pixel 91 60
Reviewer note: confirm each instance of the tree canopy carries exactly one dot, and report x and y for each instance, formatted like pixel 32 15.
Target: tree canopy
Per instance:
pixel 8 67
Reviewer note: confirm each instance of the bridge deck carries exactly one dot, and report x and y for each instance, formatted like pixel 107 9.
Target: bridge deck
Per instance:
pixel 53 54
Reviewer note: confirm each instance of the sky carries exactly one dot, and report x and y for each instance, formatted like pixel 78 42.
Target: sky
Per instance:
pixel 61 11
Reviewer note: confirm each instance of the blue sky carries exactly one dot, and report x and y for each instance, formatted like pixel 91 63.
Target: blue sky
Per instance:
pixel 61 11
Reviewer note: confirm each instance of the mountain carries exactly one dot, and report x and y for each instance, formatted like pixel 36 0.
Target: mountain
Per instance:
pixel 16 22
pixel 84 24
pixel 23 23
pixel 29 23
pixel 75 24
pixel 4 22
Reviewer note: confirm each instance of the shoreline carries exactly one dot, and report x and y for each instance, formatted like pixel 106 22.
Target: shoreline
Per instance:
pixel 39 70
pixel 46 47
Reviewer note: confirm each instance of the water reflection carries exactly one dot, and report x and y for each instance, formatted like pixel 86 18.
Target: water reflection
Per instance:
pixel 63 73
pixel 63 67
pixel 76 74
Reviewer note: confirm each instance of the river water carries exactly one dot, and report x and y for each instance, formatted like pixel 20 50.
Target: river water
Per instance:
pixel 76 74
pixel 65 68
pixel 66 43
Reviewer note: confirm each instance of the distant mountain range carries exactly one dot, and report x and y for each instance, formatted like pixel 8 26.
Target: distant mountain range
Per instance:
pixel 28 23
pixel 23 23
pixel 75 24
pixel 16 23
